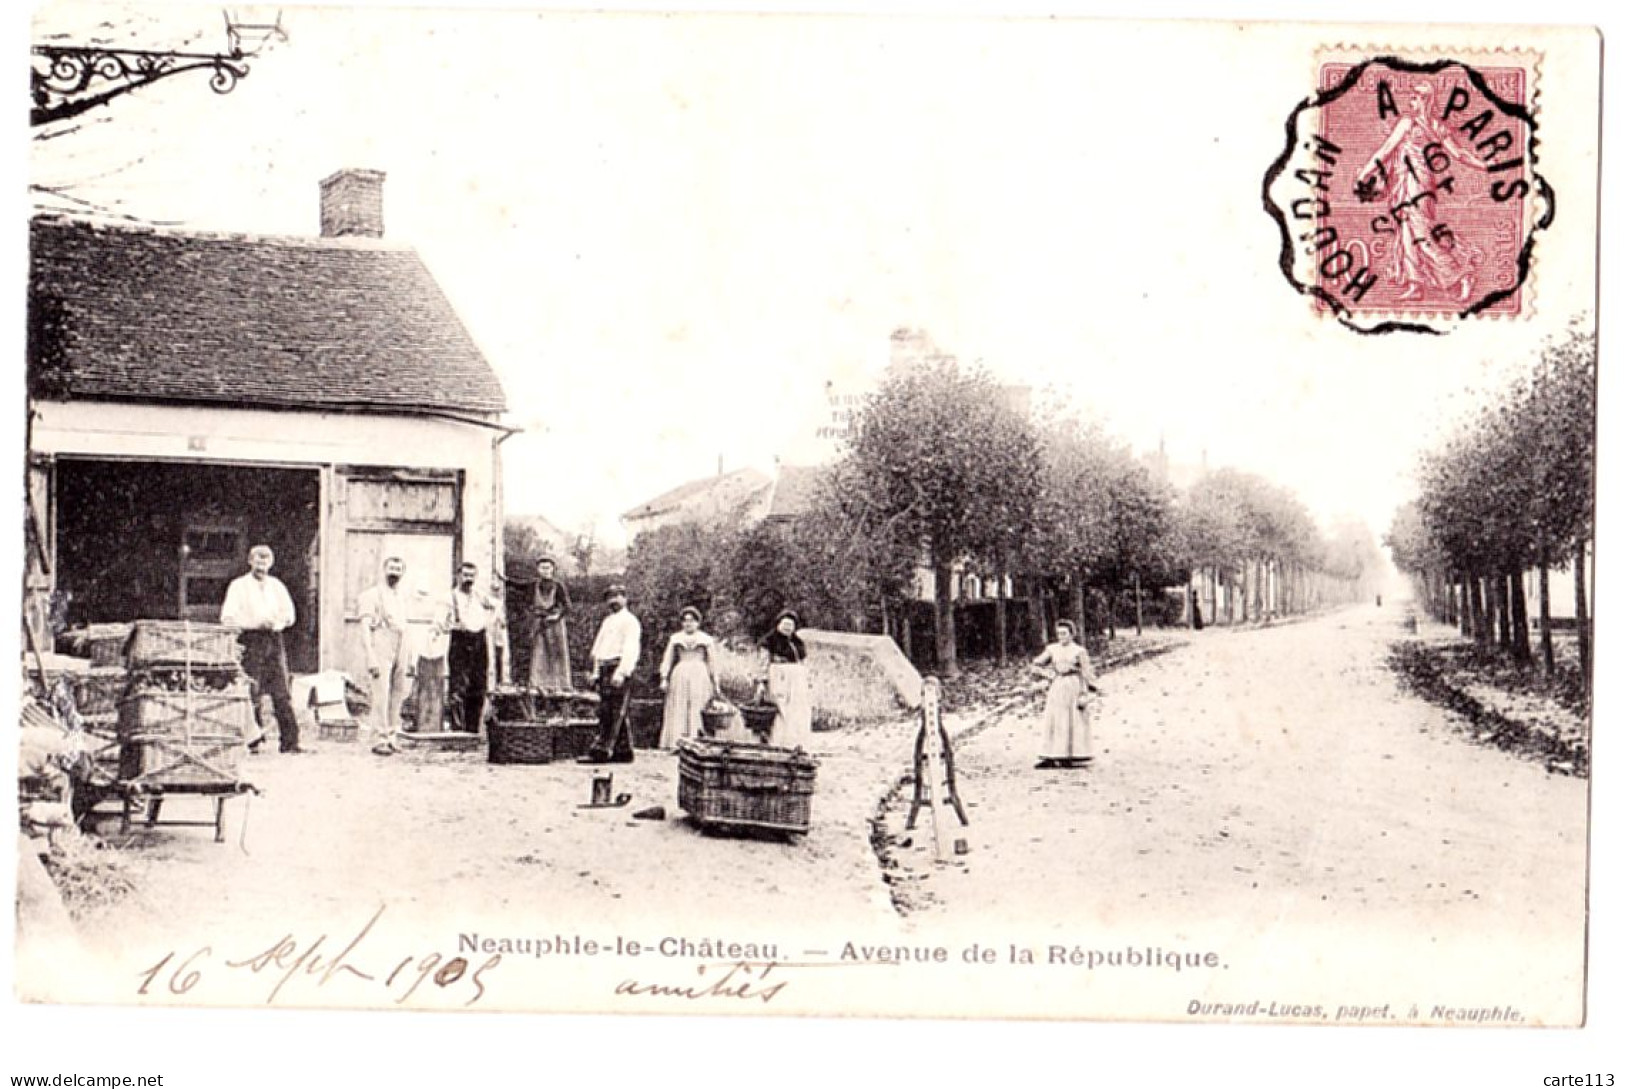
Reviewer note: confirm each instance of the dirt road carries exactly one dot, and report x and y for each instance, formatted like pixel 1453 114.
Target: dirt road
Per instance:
pixel 1270 781
pixel 1269 794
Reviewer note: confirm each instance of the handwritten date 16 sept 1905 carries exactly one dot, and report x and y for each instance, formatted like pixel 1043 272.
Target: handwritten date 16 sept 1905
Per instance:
pixel 288 959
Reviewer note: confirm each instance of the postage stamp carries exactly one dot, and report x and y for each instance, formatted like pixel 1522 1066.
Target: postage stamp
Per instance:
pixel 1407 196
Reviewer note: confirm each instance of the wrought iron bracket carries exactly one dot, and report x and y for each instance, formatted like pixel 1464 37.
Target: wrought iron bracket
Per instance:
pixel 68 80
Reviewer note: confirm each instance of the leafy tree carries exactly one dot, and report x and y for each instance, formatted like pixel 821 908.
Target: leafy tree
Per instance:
pixel 1071 527
pixel 949 469
pixel 1510 490
pixel 676 566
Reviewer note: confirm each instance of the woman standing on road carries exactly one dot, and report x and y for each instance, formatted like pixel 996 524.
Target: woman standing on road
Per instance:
pixel 1066 707
pixel 787 682
pixel 688 676
pixel 550 653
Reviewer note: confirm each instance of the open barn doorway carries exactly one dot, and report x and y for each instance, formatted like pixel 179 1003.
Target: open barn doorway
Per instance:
pixel 162 540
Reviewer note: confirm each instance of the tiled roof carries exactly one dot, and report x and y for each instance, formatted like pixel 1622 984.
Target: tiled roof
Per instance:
pixel 796 490
pixel 714 494
pixel 555 542
pixel 134 313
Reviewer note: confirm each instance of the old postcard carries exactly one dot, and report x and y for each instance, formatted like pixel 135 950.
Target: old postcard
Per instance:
pixel 744 515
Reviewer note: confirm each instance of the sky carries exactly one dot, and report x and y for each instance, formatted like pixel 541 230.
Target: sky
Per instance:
pixel 670 235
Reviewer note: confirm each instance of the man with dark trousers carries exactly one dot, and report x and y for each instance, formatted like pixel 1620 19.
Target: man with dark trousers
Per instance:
pixel 259 606
pixel 468 660
pixel 614 656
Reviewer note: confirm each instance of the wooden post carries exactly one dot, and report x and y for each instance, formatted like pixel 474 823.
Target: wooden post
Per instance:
pixel 934 781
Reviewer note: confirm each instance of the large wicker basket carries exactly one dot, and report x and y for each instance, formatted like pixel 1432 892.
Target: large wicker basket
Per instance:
pixel 184 642
pixel 103 644
pixel 731 785
pixel 513 703
pixel 573 738
pixel 521 742
pixel 183 738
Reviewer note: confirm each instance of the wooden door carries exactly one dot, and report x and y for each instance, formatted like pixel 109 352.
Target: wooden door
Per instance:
pixel 211 555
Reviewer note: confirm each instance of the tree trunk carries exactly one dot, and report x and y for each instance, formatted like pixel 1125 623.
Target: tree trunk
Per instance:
pixel 1001 638
pixel 1037 621
pixel 1548 658
pixel 1464 607
pixel 1078 591
pixel 1475 619
pixel 1111 614
pixel 1520 619
pixel 1246 568
pixel 947 648
pixel 1486 619
pixel 1503 619
pixel 1582 622
pixel 1139 609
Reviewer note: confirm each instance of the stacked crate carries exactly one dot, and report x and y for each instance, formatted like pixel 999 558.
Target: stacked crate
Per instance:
pixel 186 711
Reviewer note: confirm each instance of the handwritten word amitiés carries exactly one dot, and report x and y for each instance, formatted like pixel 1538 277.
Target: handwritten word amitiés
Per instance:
pixel 740 981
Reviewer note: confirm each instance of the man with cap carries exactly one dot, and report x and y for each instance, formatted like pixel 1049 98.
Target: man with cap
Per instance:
pixel 614 655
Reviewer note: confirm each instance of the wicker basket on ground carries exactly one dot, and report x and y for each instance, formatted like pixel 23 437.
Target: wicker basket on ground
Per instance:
pixel 752 787
pixel 520 742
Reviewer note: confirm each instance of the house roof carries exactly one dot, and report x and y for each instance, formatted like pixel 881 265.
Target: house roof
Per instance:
pixel 556 542
pixel 707 496
pixel 142 314
pixel 795 490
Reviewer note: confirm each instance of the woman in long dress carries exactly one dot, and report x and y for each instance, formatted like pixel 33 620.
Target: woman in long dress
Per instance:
pixel 787 683
pixel 550 653
pixel 1066 715
pixel 688 676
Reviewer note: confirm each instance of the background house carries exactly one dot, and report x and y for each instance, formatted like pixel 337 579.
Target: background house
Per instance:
pixel 742 497
pixel 193 394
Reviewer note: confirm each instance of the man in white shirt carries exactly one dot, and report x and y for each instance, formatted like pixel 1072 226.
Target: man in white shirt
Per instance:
pixel 382 610
pixel 259 606
pixel 614 656
pixel 468 658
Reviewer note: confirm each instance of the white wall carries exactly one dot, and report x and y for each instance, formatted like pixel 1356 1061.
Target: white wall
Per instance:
pixel 294 439
pixel 183 433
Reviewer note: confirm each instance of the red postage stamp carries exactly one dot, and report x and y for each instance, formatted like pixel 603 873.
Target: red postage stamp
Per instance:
pixel 1408 197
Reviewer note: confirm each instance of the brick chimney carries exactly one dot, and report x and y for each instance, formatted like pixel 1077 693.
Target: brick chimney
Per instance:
pixel 353 204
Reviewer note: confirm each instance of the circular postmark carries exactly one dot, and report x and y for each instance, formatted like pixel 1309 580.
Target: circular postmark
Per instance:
pixel 1407 197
